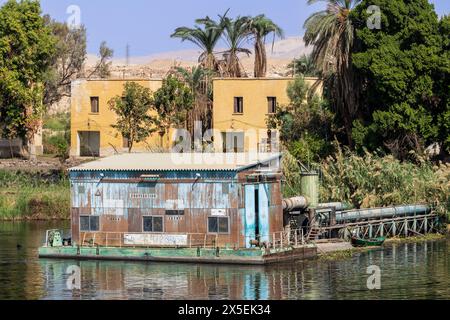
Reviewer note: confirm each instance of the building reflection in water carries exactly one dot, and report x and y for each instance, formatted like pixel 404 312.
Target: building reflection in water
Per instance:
pixel 408 270
pixel 115 280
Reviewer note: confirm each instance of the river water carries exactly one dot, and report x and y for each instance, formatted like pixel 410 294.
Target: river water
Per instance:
pixel 408 271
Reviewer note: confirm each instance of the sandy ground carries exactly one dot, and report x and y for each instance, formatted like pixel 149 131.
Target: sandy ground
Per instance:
pixel 333 247
pixel 41 164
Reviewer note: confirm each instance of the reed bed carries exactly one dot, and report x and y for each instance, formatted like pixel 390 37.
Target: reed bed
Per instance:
pixel 34 196
pixel 376 181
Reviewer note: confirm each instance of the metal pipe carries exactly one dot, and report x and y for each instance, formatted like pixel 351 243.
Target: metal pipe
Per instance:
pixel 296 203
pixel 339 206
pixel 389 212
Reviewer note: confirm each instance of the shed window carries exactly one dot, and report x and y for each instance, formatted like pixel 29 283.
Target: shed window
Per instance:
pixel 238 105
pixel 272 105
pixel 95 105
pixel 174 212
pixel 153 224
pixel 89 223
pixel 218 225
pixel 225 188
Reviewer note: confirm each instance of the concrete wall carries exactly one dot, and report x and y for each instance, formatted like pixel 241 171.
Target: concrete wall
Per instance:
pixel 253 120
pixel 255 93
pixel 83 120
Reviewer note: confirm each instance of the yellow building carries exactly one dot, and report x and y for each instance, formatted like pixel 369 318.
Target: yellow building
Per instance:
pixel 92 134
pixel 241 107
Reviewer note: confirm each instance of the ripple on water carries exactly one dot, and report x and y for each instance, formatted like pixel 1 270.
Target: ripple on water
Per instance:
pixel 408 271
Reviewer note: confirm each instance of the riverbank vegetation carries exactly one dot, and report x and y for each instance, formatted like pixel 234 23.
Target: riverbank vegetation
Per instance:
pixel 27 195
pixel 40 58
pixel 424 238
pixel 381 134
pixel 56 135
pixel 373 180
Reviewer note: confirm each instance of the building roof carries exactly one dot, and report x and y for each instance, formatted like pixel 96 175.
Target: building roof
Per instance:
pixel 179 162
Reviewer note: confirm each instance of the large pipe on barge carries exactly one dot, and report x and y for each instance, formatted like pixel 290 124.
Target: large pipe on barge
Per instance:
pixel 381 213
pixel 295 204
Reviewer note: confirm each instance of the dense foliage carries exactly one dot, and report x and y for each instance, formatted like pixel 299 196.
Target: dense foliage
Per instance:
pixel 405 68
pixel 26 49
pixel 374 181
pixel 172 103
pixel 305 125
pixel 331 34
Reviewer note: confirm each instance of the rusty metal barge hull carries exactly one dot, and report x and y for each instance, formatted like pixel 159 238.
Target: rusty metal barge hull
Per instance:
pixel 181 255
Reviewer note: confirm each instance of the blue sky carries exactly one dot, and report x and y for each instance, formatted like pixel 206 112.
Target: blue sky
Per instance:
pixel 147 24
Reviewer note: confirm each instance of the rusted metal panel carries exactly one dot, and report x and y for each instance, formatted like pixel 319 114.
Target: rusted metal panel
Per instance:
pixel 112 223
pixel 75 216
pixel 134 220
pixel 275 219
pixel 276 197
pixel 121 199
pixel 175 224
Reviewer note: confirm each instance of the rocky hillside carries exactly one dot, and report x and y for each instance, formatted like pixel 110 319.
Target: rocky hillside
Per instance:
pixel 157 65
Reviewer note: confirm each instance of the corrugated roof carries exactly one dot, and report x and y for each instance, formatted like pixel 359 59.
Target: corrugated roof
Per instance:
pixel 178 162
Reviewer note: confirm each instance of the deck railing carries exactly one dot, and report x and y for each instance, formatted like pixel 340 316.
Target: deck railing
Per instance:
pixel 117 239
pixel 277 240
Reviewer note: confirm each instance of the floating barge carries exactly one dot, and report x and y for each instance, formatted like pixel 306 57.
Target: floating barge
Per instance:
pixel 182 255
pixel 197 208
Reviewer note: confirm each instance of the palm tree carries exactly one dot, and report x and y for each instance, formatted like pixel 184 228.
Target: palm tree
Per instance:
pixel 261 26
pixel 205 34
pixel 331 33
pixel 304 66
pixel 236 32
pixel 198 79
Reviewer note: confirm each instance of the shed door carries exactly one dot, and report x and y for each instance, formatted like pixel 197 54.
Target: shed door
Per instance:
pixel 256 213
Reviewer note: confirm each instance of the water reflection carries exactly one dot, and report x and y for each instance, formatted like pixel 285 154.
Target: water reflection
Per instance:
pixel 409 271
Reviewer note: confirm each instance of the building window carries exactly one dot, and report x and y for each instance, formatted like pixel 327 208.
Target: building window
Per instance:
pixel 125 142
pixel 272 105
pixel 89 223
pixel 233 142
pixel 95 105
pixel 238 105
pixel 153 224
pixel 174 212
pixel 89 143
pixel 218 225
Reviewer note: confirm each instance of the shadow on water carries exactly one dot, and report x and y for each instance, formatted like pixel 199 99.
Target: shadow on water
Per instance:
pixel 408 271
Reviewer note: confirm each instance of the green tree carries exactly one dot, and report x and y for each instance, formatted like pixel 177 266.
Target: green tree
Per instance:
pixel 68 60
pixel 305 125
pixel 102 68
pixel 443 87
pixel 405 71
pixel 331 33
pixel 205 34
pixel 133 109
pixel 26 49
pixel 261 27
pixel 172 103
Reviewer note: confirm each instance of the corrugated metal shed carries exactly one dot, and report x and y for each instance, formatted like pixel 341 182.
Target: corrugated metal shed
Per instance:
pixel 179 162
